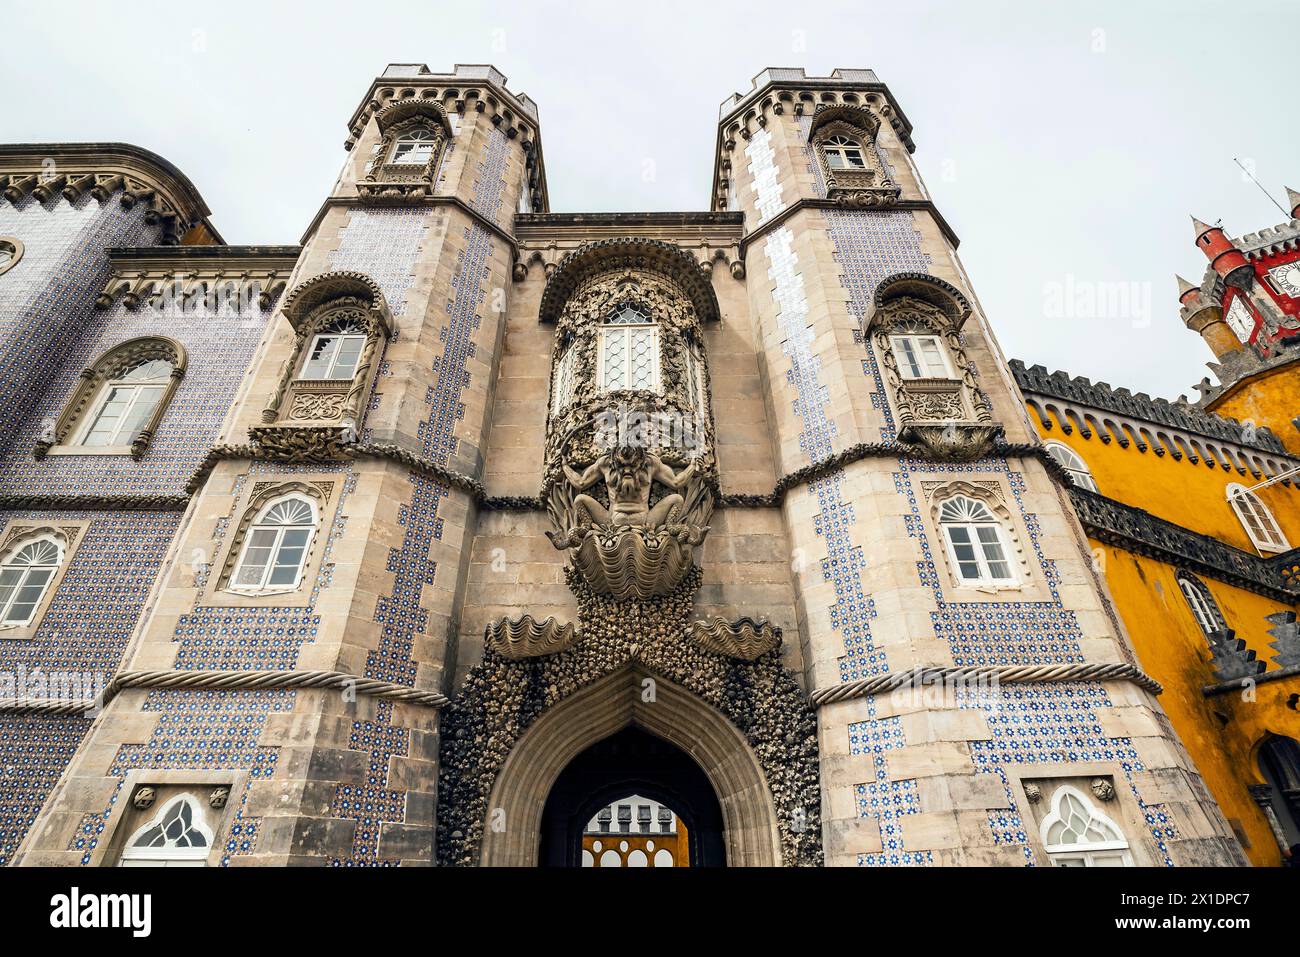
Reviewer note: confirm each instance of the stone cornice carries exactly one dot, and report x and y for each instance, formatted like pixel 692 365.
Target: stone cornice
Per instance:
pixel 1142 533
pixel 41 502
pixel 1037 380
pixel 151 272
pixel 71 169
pixel 923 205
pixel 355 202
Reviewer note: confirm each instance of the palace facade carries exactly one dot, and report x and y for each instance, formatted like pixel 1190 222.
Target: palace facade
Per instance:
pixel 465 532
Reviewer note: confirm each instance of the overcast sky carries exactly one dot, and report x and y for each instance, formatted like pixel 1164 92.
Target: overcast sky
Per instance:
pixel 1065 143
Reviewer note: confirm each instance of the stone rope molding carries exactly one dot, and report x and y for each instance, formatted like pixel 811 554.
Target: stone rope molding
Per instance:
pixel 226 681
pixel 1010 674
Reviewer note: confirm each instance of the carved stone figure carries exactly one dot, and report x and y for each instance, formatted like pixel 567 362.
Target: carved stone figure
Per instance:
pixel 629 472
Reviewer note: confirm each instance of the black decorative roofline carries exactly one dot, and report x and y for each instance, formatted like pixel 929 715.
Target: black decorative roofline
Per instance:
pixel 1176 415
pixel 1141 532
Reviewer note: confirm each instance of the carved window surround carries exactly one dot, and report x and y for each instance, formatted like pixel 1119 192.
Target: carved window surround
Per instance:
pixel 994 495
pixel 115 363
pixel 216 792
pixel 386 181
pixel 219 592
pixel 946 418
pixel 867 186
pixel 19 533
pixel 310 419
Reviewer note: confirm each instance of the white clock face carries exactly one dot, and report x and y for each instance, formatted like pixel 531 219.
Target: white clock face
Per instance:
pixel 1240 319
pixel 1287 278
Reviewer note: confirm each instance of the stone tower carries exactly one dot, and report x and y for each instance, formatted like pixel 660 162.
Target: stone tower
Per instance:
pixel 516 513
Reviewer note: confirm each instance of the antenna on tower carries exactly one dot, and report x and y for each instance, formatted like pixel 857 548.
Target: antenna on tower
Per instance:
pixel 1261 188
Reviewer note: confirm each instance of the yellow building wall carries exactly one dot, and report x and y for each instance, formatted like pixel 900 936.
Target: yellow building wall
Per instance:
pixel 1222 732
pixel 1266 400
pixel 1191 495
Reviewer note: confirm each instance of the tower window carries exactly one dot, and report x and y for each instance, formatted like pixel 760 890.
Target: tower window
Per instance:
pixel 276 547
pixel 25 577
pixel 1073 464
pixel 126 405
pixel 413 148
pixel 920 357
pixel 334 355
pixel 176 837
pixel 1076 834
pixel 1257 520
pixel 975 542
pixel 629 351
pixel 562 387
pixel 842 152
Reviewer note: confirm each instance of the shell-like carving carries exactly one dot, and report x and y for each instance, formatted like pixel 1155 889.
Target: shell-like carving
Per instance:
pixel 632 561
pixel 526 637
pixel 745 638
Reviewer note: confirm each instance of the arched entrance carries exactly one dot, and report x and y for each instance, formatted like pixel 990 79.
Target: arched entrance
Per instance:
pixel 632 762
pixel 658 710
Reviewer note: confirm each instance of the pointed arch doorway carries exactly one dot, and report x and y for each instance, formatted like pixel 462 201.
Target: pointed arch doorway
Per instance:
pixel 686 728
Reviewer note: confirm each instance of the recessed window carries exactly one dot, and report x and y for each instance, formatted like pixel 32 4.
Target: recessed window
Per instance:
pixel 275 549
pixel 1076 834
pixel 562 387
pixel 842 152
pixel 25 576
pixel 1257 520
pixel 126 404
pixel 629 351
pixel 920 357
pixel 1073 464
pixel 334 355
pixel 975 542
pixel 1204 608
pixel 413 148
pixel 176 837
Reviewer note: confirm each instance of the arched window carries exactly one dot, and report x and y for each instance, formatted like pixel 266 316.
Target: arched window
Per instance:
pixel 1204 608
pixel 920 355
pixel 275 548
pixel 125 404
pixel 335 352
pixel 26 573
pixel 843 152
pixel 1073 464
pixel 629 351
pixel 177 836
pixel 119 401
pixel 1258 521
pixel 415 147
pixel 975 542
pixel 1076 834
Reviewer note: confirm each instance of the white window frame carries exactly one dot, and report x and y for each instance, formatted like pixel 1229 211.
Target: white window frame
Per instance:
pixel 914 340
pixel 1257 519
pixel 7 563
pixel 1073 464
pixel 262 588
pixel 987 578
pixel 1087 853
pixel 626 330
pixel 562 387
pixel 840 146
pixel 137 388
pixel 333 358
pixel 1203 607
pixel 133 856
pixel 417 135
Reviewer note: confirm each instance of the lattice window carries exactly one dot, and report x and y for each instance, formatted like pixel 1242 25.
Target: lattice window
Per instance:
pixel 975 541
pixel 1257 520
pixel 1076 834
pixel 176 837
pixel 563 387
pixel 1074 464
pixel 275 549
pixel 629 351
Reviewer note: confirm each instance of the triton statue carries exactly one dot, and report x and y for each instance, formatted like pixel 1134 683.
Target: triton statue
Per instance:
pixel 629 471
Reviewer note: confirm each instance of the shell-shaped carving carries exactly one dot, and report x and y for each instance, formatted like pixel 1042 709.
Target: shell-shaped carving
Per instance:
pixel 746 638
pixel 526 637
pixel 632 561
